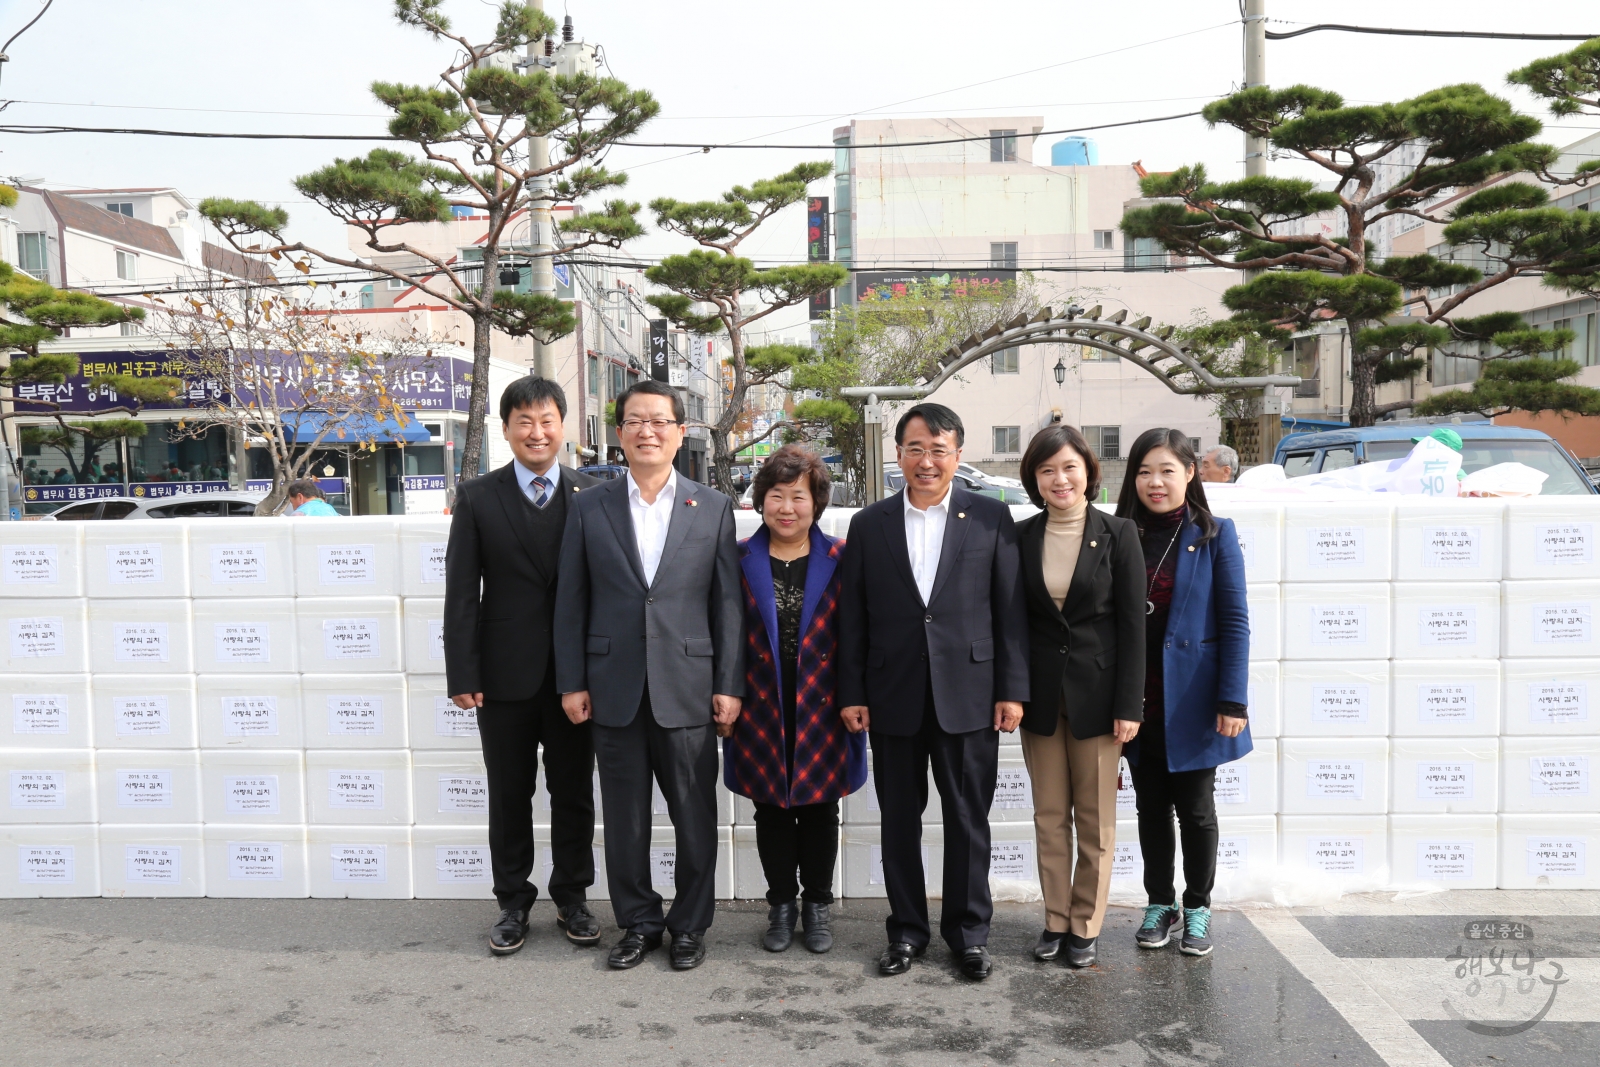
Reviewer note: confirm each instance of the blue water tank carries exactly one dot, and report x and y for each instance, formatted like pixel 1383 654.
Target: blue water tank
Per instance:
pixel 1075 152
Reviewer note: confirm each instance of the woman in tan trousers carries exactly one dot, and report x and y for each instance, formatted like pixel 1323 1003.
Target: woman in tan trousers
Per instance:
pixel 1083 577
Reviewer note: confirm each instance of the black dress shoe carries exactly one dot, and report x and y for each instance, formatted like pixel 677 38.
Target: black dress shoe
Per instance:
pixel 506 936
pixel 975 963
pixel 896 959
pixel 818 936
pixel 780 926
pixel 688 951
pixel 1048 947
pixel 631 950
pixel 579 924
pixel 1080 951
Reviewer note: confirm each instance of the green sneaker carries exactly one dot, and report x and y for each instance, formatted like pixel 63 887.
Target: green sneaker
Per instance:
pixel 1196 932
pixel 1156 930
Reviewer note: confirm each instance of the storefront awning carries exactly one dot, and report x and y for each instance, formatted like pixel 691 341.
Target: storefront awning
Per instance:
pixel 305 426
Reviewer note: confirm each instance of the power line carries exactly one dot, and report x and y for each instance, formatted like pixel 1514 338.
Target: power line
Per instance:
pixel 1339 27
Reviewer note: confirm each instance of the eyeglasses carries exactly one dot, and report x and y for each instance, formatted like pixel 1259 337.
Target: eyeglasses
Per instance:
pixel 638 425
pixel 938 455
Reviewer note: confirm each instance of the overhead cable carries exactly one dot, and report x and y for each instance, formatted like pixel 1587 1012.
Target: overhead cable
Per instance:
pixel 1339 27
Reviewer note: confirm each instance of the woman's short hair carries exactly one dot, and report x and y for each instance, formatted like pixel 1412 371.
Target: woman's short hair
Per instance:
pixel 1045 444
pixel 786 465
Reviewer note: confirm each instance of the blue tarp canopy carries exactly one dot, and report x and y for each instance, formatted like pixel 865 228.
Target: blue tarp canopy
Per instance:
pixel 304 427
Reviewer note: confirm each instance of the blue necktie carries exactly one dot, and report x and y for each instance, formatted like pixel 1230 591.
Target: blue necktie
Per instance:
pixel 540 490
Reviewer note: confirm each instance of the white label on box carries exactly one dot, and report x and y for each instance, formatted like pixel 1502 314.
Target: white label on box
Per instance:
pixel 463 792
pixel 133 564
pixel 1127 861
pixel 347 564
pixel 358 716
pixel 451 721
pixel 1012 860
pixel 243 642
pixel 1127 799
pixel 1439 703
pixel 1232 784
pixel 1339 625
pixel 663 866
pixel 461 863
pixel 38 789
pixel 436 639
pixel 255 861
pixel 250 716
pixel 1558 702
pixel 1339 703
pixel 1233 853
pixel 1337 546
pixel 433 561
pixel 1342 779
pixel 360 863
pixel 1559 776
pixel 1337 855
pixel 350 638
pixel 140 642
pixel 1247 546
pixel 1561 857
pixel 160 864
pixel 1445 861
pixel 251 794
pixel 875 866
pixel 1441 624
pixel 1562 623
pixel 1451 546
pixel 47 864
pixel 144 789
pixel 30 565
pixel 38 713
pixel 1013 788
pixel 1567 543
pixel 356 789
pixel 38 638
pixel 238 564
pixel 141 716
pixel 1444 781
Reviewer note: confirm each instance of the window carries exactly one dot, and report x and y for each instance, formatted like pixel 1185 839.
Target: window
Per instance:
pixel 1297 463
pixel 124 209
pixel 1337 459
pixel 594 376
pixel 33 250
pixel 594 429
pixel 1004 361
pixel 1088 354
pixel 1143 253
pixel 1194 445
pixel 130 329
pixel 697 407
pixel 1003 254
pixel 127 265
pixel 618 383
pixel 117 509
pixel 1002 146
pixel 368 297
pixel 397 283
pixel 78 512
pixel 1104 239
pixel 1007 439
pixel 1105 440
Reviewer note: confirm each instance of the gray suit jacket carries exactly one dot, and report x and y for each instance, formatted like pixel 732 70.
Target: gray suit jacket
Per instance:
pixel 684 631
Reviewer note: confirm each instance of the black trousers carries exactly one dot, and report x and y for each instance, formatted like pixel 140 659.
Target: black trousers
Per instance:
pixel 684 761
pixel 804 838
pixel 512 732
pixel 964 770
pixel 1159 793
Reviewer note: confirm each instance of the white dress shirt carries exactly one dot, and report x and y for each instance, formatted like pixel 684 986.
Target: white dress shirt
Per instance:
pixel 525 480
pixel 925 540
pixel 651 521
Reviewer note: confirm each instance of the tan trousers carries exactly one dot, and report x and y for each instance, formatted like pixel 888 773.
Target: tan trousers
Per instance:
pixel 1074 782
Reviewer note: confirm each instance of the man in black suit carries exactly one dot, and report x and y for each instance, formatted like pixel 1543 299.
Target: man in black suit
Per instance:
pixel 499 605
pixel 933 661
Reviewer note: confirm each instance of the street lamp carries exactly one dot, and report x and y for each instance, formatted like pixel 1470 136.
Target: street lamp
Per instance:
pixel 1061 371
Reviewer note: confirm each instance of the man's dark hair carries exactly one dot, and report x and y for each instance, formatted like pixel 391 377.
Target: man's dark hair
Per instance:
pixel 938 418
pixel 788 464
pixel 306 487
pixel 1044 446
pixel 528 391
pixel 650 387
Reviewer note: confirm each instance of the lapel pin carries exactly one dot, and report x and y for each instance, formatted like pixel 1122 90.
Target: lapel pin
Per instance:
pixel 1094 544
pixel 961 514
pixel 1191 548
pixel 691 503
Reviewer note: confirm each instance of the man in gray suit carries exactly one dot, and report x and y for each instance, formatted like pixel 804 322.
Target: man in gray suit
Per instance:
pixel 650 648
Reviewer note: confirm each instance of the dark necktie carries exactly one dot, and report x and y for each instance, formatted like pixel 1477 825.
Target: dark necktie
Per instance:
pixel 539 492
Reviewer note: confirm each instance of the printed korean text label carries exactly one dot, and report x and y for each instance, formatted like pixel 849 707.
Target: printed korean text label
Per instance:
pixel 38 638
pixel 1340 779
pixel 1557 624
pixel 30 565
pixel 1557 857
pixel 360 863
pixel 1559 776
pixel 1451 546
pixel 1564 544
pixel 347 564
pixel 351 639
pixel 255 861
pixel 250 716
pixel 433 553
pixel 1013 788
pixel 1337 546
pixel 238 564
pixel 1446 861
pixel 141 716
pixel 1444 624
pixel 38 789
pixel 1558 702
pixel 1012 860
pixel 356 789
pixel 251 794
pixel 1445 781
pixel 1337 855
pixel 1340 703
pixel 133 564
pixel 140 642
pixel 153 864
pixel 451 721
pixel 461 863
pixel 144 789
pixel 39 713
pixel 243 642
pixel 46 864
pixel 1232 784
pixel 1339 624
pixel 1443 703
pixel 355 715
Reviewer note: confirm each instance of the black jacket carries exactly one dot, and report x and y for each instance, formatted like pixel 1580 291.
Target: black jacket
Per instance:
pixel 500 587
pixel 1089 655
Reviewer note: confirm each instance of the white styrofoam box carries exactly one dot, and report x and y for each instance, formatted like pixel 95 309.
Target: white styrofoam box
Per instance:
pixel 1450 851
pixel 1549 774
pixel 1336 620
pixel 422 546
pixel 1249 786
pixel 1444 698
pixel 48 785
pixel 452 863
pixel 1127 796
pixel 663 854
pixel 136 559
pixel 1327 776
pixel 1446 620
pixel 141 636
pixel 1550 619
pixel 241 559
pixel 1545 697
pixel 352 787
pixel 749 879
pixel 256 861
pixel 1325 698
pixel 1338 848
pixel 49 861
pixel 1264 601
pixel 49 711
pixel 1549 852
pixel 542 870
pixel 41 559
pixel 348 558
pixel 148 785
pixel 1552 538
pixel 152 861
pixel 450 788
pixel 1260 528
pixel 435 721
pixel 253 785
pixel 238 636
pixel 861 807
pixel 354 710
pixel 1265 706
pixel 1347 541
pixel 250 711
pixel 144 710
pixel 1458 540
pixel 1013 792
pixel 349 635
pixel 1245 844
pixel 727 804
pixel 44 636
pixel 1127 858
pixel 424 623
pixel 861 860
pixel 1444 775
pixel 1013 855
pixel 365 862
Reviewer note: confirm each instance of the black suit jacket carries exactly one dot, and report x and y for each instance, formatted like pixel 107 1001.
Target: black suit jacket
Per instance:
pixel 1088 656
pixel 500 588
pixel 970 638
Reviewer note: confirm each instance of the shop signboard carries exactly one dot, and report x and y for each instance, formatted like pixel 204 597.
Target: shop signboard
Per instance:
pixel 885 284
pixel 424 493
pixel 331 486
pixel 67 494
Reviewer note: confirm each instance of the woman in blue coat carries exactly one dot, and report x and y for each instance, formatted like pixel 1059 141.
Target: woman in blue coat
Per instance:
pixel 1197 666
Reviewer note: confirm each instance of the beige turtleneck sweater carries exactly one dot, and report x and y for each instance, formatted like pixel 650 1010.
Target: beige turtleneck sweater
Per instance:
pixel 1063 537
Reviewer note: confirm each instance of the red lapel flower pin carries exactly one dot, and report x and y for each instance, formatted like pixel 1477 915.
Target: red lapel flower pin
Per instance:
pixel 691 503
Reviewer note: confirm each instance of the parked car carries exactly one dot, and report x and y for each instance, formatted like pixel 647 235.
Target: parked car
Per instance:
pixel 993 479
pixel 607 471
pixel 233 505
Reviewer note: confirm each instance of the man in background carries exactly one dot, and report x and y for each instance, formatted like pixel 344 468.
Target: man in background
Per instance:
pixel 307 499
pixel 1220 464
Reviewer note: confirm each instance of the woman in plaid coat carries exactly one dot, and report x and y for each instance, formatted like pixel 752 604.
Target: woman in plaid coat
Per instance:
pixel 789 751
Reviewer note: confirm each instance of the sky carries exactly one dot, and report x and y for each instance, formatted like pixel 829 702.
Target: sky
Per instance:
pixel 723 71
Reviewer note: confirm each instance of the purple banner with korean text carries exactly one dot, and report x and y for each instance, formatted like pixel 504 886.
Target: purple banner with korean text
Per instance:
pixel 157 490
pixel 67 494
pixel 331 486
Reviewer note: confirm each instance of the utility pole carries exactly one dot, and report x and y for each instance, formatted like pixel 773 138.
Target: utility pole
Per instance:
pixel 543 241
pixel 1255 73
